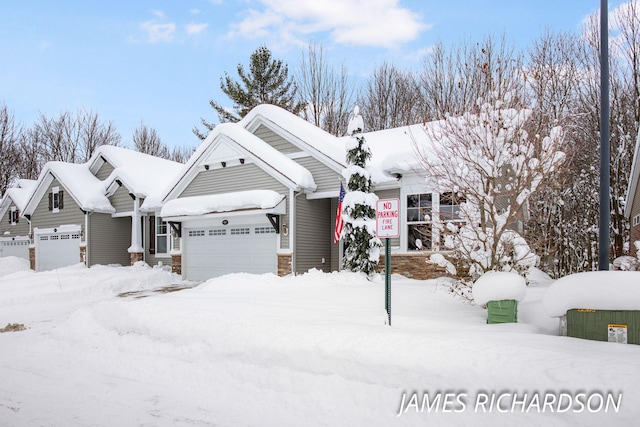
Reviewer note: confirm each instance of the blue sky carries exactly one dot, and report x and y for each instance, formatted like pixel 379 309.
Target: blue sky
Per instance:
pixel 161 61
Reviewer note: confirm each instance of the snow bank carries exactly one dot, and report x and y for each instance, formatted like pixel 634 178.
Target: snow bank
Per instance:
pixel 12 264
pixel 597 290
pixel 499 285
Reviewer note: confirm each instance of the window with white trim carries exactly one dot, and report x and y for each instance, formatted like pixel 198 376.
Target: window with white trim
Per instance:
pixel 56 199
pixel 636 220
pixel 419 221
pixel 163 240
pixel 426 212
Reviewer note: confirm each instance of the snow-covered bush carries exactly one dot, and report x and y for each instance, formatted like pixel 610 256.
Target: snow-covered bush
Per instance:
pixel 492 165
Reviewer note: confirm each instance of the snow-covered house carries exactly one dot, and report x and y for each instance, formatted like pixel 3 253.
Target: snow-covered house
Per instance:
pixel 261 196
pixel 632 205
pixel 14 230
pixel 90 212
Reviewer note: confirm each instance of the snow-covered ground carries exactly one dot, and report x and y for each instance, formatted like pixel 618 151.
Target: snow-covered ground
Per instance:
pixel 311 350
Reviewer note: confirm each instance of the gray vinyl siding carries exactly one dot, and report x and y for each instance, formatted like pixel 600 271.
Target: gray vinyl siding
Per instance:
pixel 121 200
pixel 325 178
pixel 21 228
pixel 393 194
pixel 108 239
pixel 275 140
pixel 238 178
pixel 69 214
pixel 314 235
pixel 104 171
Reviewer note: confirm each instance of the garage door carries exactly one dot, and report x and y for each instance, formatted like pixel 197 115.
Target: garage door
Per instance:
pixel 56 248
pixel 214 251
pixel 15 246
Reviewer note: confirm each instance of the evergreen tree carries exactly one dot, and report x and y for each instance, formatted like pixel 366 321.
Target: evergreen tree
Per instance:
pixel 266 82
pixel 362 247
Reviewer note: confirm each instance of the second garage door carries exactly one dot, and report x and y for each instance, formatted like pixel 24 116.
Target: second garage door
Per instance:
pixel 57 247
pixel 213 251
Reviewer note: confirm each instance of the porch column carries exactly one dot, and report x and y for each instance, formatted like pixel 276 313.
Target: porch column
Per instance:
pixel 136 250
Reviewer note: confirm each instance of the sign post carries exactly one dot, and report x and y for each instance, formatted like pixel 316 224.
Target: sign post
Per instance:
pixel 387 227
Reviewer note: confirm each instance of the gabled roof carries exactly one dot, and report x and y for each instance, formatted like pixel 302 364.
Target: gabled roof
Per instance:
pixel 232 138
pixel 141 173
pixel 633 179
pixel 85 189
pixel 17 195
pixel 298 131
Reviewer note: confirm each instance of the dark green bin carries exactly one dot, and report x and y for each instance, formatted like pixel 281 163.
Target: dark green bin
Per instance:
pixel 502 311
pixel 604 325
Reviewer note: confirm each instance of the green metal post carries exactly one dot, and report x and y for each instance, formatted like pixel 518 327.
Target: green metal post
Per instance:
pixel 387 278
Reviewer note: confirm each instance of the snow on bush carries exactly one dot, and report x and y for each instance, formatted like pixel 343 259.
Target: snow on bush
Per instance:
pixel 626 263
pixel 499 285
pixel 441 261
pixel 597 290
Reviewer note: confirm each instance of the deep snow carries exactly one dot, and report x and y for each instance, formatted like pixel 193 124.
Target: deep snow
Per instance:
pixel 248 350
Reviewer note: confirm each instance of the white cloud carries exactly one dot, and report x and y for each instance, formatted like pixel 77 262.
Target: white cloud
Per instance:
pixel 159 32
pixel 193 29
pixel 356 22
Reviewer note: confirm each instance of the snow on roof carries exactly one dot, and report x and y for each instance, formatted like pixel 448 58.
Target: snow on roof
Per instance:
pixel 228 202
pixel 278 163
pixel 499 285
pixel 87 190
pixel 21 192
pixel 597 290
pixel 303 131
pixel 143 174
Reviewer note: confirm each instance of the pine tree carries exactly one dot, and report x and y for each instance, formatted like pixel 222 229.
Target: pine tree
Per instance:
pixel 266 82
pixel 362 247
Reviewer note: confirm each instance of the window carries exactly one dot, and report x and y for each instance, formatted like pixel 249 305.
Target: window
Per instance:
pixel 636 220
pixel 56 199
pixel 162 236
pixel 423 213
pixel 218 232
pixel 196 233
pixel 13 215
pixel 419 222
pixel 237 231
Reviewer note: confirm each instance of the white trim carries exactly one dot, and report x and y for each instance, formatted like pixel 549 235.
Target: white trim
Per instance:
pixel 324 195
pixel 55 191
pixel 123 214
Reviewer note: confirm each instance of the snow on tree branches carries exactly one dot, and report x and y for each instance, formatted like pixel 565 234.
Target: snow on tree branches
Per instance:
pixel 493 165
pixel 361 246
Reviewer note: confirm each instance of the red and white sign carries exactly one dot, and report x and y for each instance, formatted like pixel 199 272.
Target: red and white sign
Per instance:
pixel 388 218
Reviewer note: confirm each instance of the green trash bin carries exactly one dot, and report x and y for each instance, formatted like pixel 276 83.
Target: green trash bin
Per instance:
pixel 502 311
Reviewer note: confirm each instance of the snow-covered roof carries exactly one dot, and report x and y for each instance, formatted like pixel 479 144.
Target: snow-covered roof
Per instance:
pixel 143 174
pixel 87 190
pixel 20 192
pixel 270 159
pixel 298 130
pixel 596 290
pixel 227 202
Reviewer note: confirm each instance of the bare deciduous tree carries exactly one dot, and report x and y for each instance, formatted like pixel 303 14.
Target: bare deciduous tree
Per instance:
pixel 327 95
pixel 390 99
pixel 146 140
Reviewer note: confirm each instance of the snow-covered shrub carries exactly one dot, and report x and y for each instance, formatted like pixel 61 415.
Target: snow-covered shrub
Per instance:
pixel 361 246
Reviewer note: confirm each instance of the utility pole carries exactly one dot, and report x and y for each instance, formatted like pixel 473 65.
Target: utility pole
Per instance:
pixel 605 214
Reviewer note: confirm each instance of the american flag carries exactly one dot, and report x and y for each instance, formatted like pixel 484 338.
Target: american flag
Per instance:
pixel 337 234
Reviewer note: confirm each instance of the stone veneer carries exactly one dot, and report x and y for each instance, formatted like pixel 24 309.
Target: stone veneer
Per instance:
pixel 136 256
pixel 413 266
pixel 176 263
pixel 32 257
pixel 284 264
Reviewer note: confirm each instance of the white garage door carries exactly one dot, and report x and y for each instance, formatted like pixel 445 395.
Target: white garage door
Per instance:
pixel 56 248
pixel 214 251
pixel 15 246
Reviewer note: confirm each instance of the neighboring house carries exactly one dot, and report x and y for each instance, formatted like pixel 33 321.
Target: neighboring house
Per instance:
pixel 90 212
pixel 15 230
pixel 632 205
pixel 260 196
